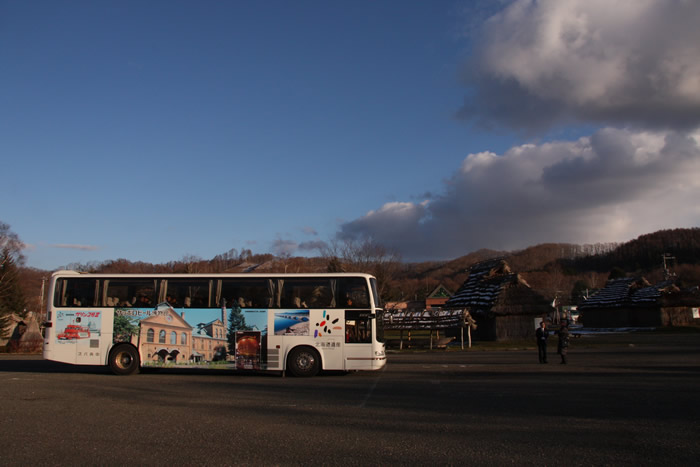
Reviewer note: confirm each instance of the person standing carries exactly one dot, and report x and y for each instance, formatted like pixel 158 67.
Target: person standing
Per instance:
pixel 563 346
pixel 542 334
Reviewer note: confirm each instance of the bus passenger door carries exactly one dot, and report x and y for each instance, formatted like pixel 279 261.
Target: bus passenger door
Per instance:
pixel 358 339
pixel 88 338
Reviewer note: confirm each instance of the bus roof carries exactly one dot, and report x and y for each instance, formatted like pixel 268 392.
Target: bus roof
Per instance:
pixel 222 275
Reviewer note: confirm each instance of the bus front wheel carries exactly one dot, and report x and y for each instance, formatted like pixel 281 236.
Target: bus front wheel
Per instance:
pixel 304 362
pixel 124 360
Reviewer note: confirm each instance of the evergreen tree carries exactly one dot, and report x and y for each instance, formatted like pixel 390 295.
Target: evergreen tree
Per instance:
pixel 124 328
pixel 579 290
pixel 617 273
pixel 236 323
pixel 11 296
pixel 334 265
pixel 4 323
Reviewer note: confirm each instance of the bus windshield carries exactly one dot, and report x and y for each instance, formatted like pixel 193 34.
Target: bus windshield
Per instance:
pixel 375 293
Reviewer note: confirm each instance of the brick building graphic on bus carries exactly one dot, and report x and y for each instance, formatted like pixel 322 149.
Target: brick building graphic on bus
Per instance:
pixel 209 342
pixel 166 337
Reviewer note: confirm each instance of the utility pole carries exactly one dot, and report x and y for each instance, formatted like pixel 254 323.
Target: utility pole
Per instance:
pixel 667 274
pixel 41 300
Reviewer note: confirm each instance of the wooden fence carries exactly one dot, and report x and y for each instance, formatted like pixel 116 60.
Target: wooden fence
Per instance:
pixel 433 321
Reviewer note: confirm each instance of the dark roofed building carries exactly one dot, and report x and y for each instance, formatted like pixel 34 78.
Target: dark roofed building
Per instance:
pixel 502 303
pixel 634 302
pixel 438 297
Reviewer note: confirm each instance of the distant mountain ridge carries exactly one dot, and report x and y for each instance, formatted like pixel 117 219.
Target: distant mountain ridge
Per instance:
pixel 553 269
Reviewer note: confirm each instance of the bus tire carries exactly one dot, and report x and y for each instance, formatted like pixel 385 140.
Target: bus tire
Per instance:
pixel 124 360
pixel 303 362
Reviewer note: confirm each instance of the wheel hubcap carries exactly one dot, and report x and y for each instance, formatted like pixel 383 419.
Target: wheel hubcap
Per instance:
pixel 124 360
pixel 305 361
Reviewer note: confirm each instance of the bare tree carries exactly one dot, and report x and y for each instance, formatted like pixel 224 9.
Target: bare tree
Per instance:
pixel 284 258
pixel 192 264
pixel 366 256
pixel 10 243
pixel 335 265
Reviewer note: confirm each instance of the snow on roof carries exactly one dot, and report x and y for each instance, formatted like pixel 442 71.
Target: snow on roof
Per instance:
pixel 484 285
pixel 625 292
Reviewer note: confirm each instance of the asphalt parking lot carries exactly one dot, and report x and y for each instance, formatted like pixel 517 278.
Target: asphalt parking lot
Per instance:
pixel 622 400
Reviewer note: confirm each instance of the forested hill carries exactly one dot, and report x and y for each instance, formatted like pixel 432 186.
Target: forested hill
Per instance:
pixel 646 252
pixel 559 268
pixel 553 269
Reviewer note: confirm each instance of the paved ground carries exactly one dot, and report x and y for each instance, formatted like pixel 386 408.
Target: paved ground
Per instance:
pixel 626 400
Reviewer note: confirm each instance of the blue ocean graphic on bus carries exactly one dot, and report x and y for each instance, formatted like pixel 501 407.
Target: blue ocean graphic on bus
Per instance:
pixel 292 323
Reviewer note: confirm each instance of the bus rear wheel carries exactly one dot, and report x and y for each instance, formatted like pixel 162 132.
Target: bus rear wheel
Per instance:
pixel 124 360
pixel 304 362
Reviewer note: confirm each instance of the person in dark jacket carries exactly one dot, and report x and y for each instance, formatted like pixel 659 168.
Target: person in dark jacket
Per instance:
pixel 542 334
pixel 563 346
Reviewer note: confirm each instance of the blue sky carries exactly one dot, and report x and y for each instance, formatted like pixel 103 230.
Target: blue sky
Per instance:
pixel 154 130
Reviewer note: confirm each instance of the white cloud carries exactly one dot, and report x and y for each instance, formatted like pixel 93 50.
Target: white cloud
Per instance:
pixel 547 62
pixel 71 246
pixel 314 245
pixel 398 225
pixel 281 247
pixel 538 64
pixel 612 186
pixel 288 247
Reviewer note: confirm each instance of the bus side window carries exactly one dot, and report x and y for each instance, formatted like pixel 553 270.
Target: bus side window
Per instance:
pixel 59 297
pixel 188 293
pixel 358 327
pixel 306 293
pixel 78 293
pixel 352 293
pixel 246 293
pixel 139 293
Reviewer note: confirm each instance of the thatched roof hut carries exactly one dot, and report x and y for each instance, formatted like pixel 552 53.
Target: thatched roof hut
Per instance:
pixel 634 302
pixel 25 335
pixel 501 301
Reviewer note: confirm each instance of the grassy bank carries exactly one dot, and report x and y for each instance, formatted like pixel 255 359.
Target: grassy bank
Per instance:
pixel 420 340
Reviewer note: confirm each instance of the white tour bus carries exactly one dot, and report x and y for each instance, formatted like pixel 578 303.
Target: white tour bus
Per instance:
pixel 299 323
